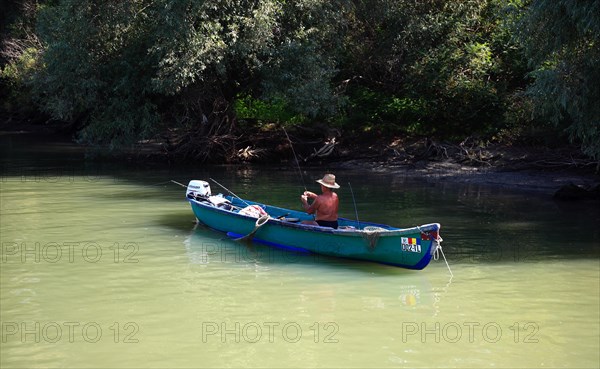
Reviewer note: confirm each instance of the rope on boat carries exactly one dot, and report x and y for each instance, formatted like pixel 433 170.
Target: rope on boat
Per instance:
pixel 371 234
pixel 261 221
pixel 436 253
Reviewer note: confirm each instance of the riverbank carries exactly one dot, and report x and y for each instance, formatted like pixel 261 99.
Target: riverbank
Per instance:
pixel 527 168
pixel 532 169
pixel 531 180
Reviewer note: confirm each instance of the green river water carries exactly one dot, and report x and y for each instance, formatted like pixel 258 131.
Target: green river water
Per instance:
pixel 102 266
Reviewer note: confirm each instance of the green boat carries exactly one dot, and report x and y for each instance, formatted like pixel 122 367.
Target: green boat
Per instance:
pixel 411 248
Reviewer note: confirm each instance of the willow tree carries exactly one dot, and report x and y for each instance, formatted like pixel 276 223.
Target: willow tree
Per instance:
pixel 302 70
pixel 122 70
pixel 562 40
pixel 94 71
pixel 428 67
pixel 19 50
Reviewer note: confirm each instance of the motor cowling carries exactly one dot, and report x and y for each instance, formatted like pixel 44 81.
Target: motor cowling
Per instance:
pixel 198 189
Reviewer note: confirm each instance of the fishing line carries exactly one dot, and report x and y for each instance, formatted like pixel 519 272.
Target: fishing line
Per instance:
pixel 355 209
pixel 226 189
pixel 181 184
pixel 295 157
pixel 161 183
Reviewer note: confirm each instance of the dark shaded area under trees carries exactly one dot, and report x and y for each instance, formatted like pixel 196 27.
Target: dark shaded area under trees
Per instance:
pixel 215 80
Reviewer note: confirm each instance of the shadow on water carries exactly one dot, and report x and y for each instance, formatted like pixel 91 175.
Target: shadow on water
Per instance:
pixel 210 249
pixel 143 192
pixel 180 221
pixel 205 245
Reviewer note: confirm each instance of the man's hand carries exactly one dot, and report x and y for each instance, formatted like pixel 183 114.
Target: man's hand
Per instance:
pixel 309 194
pixel 303 198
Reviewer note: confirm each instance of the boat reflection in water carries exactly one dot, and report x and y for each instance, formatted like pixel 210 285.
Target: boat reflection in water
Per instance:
pixel 207 249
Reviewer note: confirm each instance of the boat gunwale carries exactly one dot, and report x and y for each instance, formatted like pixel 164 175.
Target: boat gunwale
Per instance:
pixel 384 232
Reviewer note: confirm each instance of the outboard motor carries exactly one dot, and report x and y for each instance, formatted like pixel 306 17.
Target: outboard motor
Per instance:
pixel 198 190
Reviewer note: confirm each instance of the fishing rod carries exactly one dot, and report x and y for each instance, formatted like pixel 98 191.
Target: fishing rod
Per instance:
pixel 355 209
pixel 181 184
pixel 226 189
pixel 295 157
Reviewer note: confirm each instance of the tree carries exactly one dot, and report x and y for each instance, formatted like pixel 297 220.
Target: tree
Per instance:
pixel 94 69
pixel 429 67
pixel 120 69
pixel 301 69
pixel 19 52
pixel 562 41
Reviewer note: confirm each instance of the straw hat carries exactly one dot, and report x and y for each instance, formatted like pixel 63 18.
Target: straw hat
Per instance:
pixel 328 181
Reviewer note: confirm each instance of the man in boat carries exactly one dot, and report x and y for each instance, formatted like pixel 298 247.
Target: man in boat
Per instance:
pixel 325 205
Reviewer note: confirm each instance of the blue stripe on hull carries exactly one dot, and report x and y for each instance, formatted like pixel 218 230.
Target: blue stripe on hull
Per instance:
pixel 419 266
pixel 272 244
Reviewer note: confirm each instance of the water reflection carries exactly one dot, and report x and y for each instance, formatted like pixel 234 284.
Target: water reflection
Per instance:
pixel 210 249
pixel 519 260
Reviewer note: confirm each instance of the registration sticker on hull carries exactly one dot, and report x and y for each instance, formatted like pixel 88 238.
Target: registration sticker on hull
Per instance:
pixel 411 244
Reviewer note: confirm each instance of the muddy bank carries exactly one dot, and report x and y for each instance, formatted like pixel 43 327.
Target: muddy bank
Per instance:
pixel 528 168
pixel 532 169
pixel 531 180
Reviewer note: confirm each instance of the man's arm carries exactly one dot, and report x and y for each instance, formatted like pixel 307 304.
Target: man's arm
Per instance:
pixel 310 209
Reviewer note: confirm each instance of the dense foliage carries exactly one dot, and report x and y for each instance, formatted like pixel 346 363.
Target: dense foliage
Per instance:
pixel 562 41
pixel 121 71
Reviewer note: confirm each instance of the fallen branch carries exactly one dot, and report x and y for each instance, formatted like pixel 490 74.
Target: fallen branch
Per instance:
pixel 324 151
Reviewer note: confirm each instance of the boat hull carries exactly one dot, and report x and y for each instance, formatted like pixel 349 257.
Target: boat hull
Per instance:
pixel 410 248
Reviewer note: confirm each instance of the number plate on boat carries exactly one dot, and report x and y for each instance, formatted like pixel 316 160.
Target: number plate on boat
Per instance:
pixel 411 244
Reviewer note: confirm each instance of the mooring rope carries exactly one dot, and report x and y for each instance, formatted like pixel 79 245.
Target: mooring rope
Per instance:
pixel 436 253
